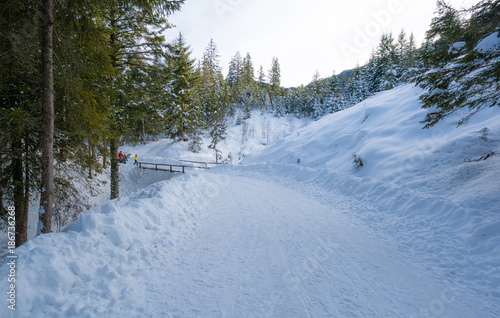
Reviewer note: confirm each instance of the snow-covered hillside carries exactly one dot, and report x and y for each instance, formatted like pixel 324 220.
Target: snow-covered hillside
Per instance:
pixel 386 133
pixel 289 230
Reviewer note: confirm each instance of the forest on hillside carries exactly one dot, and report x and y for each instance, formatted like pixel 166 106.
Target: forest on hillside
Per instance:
pixel 80 78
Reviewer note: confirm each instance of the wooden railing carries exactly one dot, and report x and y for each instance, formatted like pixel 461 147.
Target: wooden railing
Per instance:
pixel 200 164
pixel 159 166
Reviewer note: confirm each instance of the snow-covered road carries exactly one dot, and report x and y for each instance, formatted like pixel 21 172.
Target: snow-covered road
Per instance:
pixel 264 250
pixel 239 242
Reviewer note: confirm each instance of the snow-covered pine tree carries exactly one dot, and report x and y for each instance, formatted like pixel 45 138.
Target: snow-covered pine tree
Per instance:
pixel 409 60
pixel 468 72
pixel 388 62
pixel 214 96
pixel 248 86
pixel 274 88
pixel 262 95
pixel 184 114
pixel 234 73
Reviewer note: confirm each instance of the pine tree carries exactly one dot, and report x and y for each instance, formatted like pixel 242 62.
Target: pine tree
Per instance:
pixel 135 29
pixel 183 75
pixel 262 95
pixel 469 79
pixel 388 62
pixel 409 60
pixel 214 96
pixel 262 77
pixel 248 86
pixel 235 70
pixel 274 88
pixel 446 29
pixel 47 191
pixel 20 100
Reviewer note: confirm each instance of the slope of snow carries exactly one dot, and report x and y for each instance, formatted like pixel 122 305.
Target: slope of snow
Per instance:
pixel 255 134
pixel 414 232
pixel 386 132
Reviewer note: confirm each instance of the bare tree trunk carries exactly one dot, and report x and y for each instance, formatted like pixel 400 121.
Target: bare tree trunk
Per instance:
pixel 104 155
pixel 113 147
pixel 115 176
pixel 47 194
pixel 90 160
pixel 27 170
pixel 2 210
pixel 182 129
pixel 19 199
pixel 143 137
pixel 63 146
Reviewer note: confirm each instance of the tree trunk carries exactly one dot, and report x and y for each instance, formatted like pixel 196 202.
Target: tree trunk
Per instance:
pixel 64 144
pixel 115 176
pixel 19 199
pixel 143 132
pixel 113 148
pixel 47 194
pixel 90 160
pixel 182 128
pixel 2 210
pixel 27 179
pixel 104 155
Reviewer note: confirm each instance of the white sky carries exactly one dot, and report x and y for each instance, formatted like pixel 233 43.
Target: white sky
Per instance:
pixel 305 36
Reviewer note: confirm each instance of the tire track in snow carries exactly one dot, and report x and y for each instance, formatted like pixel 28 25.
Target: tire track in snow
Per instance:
pixel 268 251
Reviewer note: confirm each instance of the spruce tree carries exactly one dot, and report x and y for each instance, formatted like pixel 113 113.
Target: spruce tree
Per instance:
pixel 182 74
pixel 468 78
pixel 47 143
pixel 135 29
pixel 214 96
pixel 274 88
pixel 248 86
pixel 20 111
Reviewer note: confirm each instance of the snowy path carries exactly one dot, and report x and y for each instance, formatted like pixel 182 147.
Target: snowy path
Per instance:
pixel 263 250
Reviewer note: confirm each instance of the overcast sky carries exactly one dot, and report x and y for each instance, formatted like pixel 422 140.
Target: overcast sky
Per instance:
pixel 305 36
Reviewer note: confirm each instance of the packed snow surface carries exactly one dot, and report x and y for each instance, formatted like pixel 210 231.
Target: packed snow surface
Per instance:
pixel 293 230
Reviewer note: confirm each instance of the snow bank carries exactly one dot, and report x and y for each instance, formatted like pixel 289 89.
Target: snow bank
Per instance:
pixel 94 262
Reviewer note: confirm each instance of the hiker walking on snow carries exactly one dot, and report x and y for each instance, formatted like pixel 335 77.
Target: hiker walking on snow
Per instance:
pixel 135 160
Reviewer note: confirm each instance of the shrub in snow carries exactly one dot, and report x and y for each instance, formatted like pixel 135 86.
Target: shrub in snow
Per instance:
pixel 358 162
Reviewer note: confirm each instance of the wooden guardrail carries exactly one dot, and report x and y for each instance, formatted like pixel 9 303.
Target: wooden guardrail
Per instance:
pixel 200 164
pixel 159 166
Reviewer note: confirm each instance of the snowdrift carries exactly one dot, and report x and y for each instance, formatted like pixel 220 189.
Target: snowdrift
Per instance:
pixel 100 256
